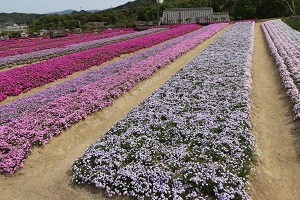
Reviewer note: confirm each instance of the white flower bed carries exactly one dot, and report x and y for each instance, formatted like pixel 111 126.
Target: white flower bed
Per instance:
pixel 190 139
pixel 292 33
pixel 286 53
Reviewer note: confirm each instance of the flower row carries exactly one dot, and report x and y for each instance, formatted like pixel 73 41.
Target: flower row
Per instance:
pixel 292 33
pixel 80 37
pixel 54 52
pixel 18 137
pixel 18 80
pixel 190 139
pixel 48 43
pixel 286 53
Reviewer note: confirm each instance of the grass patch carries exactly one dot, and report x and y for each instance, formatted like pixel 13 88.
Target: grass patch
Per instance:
pixel 293 22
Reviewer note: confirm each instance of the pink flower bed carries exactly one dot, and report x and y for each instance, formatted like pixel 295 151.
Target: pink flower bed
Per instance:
pixel 71 48
pixel 23 79
pixel 17 138
pixel 48 43
pixel 39 43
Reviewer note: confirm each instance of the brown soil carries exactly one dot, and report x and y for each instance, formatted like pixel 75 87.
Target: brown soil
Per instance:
pixel 46 172
pixel 277 174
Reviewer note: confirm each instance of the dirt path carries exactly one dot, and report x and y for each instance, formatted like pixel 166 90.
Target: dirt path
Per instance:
pixel 277 174
pixel 46 172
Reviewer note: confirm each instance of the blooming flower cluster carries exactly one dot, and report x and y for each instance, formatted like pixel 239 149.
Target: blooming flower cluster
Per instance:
pixel 23 79
pixel 71 48
pixel 190 139
pixel 37 126
pixel 285 48
pixel 40 44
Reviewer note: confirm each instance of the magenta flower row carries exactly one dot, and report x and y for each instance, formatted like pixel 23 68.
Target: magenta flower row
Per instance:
pixel 48 43
pixel 80 37
pixel 59 51
pixel 18 137
pixel 76 38
pixel 286 53
pixel 23 79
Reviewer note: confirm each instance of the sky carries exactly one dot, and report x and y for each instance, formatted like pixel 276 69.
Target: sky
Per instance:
pixel 46 6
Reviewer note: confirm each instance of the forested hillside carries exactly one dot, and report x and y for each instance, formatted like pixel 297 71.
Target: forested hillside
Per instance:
pixel 146 10
pixel 18 17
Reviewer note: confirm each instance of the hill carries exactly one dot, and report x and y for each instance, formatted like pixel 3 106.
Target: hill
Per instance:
pixel 70 11
pixel 18 17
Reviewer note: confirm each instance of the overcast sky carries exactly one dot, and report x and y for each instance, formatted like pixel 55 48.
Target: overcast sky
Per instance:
pixel 46 6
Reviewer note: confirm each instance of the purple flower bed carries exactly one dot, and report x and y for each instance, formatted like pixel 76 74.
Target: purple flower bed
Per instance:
pixel 23 79
pixel 36 45
pixel 18 137
pixel 58 51
pixel 191 139
pixel 286 53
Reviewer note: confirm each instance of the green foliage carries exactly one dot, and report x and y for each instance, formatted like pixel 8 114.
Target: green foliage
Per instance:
pixel 18 17
pixel 271 8
pixel 146 10
pixel 293 22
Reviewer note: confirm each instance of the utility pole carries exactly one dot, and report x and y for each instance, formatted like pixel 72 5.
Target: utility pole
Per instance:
pixel 157 11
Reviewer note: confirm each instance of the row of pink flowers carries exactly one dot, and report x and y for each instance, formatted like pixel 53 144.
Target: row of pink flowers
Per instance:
pixel 76 38
pixel 80 37
pixel 17 138
pixel 23 79
pixel 36 45
pixel 72 48
pixel 286 54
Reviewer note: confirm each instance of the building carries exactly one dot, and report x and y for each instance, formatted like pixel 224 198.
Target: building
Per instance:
pixel 95 25
pixel 220 17
pixel 193 15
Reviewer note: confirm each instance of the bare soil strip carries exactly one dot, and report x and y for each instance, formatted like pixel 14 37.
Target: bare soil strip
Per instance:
pixel 277 174
pixel 46 172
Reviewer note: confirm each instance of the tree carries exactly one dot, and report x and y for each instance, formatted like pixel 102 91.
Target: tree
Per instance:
pixel 291 6
pixel 244 9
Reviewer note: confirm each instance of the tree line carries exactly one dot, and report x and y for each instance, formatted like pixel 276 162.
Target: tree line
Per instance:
pixel 146 10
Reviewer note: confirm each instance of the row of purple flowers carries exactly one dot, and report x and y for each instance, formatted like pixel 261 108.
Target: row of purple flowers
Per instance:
pixel 18 137
pixel 23 79
pixel 286 53
pixel 190 139
pixel 58 51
